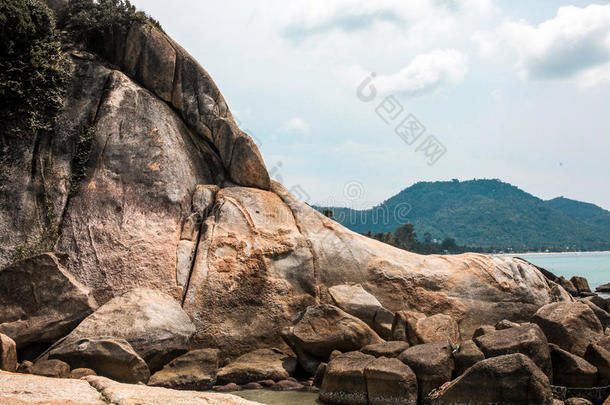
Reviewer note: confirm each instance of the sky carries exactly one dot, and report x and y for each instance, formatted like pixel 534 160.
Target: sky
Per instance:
pixel 352 101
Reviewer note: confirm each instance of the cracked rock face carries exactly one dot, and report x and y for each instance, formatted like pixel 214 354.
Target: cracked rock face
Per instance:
pixel 153 185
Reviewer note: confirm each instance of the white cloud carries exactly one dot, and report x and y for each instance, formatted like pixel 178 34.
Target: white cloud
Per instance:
pixel 426 73
pixel 295 125
pixel 573 45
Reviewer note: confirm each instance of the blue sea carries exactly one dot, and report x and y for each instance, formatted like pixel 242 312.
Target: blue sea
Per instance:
pixel 594 266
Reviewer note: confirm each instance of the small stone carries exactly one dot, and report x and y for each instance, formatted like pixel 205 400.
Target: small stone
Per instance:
pixel 252 386
pixel 286 385
pixel 227 387
pixel 334 354
pixel 506 324
pixel 79 373
pixel 25 367
pixel 266 383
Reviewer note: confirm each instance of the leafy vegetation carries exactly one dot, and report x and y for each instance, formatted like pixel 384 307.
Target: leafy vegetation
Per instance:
pixel 81 158
pixel 33 73
pixel 91 22
pixel 490 214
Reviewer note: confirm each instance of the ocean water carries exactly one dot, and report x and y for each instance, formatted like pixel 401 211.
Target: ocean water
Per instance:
pixel 279 397
pixel 594 266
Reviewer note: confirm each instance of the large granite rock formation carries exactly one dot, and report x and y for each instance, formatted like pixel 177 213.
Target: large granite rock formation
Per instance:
pixel 152 184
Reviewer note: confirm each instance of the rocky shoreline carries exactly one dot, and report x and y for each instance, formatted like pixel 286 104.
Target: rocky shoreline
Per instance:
pixel 353 351
pixel 172 265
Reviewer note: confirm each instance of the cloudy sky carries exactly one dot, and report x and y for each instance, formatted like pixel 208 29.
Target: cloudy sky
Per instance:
pixel 352 101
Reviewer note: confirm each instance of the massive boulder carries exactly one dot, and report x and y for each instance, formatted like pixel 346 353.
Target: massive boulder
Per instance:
pixel 527 339
pixel 570 325
pixel 152 185
pixel 152 322
pixel 41 301
pixel 195 370
pixel 109 357
pixel 262 364
pixel 323 329
pixel 511 379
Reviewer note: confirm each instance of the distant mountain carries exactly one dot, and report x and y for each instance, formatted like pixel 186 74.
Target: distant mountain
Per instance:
pixel 485 213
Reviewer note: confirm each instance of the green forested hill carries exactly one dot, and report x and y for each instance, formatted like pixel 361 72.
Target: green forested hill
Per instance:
pixel 486 213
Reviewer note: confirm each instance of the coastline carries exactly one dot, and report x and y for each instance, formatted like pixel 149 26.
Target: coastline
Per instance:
pixel 549 253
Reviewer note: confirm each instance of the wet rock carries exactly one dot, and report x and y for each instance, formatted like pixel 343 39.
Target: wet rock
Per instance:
pixel 110 357
pixel 570 325
pixel 286 385
pixel 41 301
pixel 152 322
pixel 603 288
pixel 252 386
pixel 386 349
pixel 468 355
pixel 570 370
pixel 262 364
pixel 390 381
pixel 8 353
pixel 266 383
pixel 509 379
pixel 195 370
pixel 344 381
pixel 79 373
pixel 527 339
pixel 323 329
pixel 432 363
pixel 227 387
pixel 600 358
pixel 51 368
